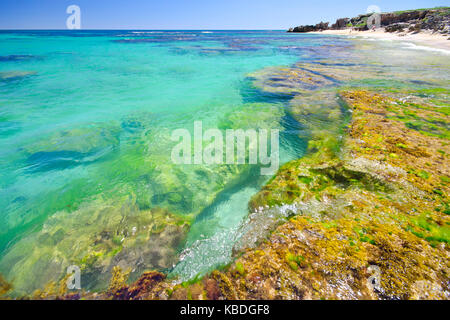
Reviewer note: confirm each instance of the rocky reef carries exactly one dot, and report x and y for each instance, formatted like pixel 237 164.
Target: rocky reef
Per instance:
pixel 369 221
pixel 9 76
pixel 362 217
pixel 137 224
pixel 435 20
pixel 96 237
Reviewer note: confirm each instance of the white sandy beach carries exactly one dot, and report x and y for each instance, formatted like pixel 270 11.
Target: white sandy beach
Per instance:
pixel 427 39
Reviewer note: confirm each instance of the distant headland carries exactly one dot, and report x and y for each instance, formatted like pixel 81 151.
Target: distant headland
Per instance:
pixel 435 20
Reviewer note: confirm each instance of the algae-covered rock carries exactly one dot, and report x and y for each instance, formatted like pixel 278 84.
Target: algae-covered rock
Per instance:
pixel 4 286
pixel 346 71
pixel 288 80
pixel 323 114
pixel 96 237
pixel 318 111
pixel 366 221
pixel 189 188
pixel 84 140
pixel 182 188
pixel 383 212
pixel 119 290
pixel 253 116
pixel 138 122
pixel 145 223
pixel 358 224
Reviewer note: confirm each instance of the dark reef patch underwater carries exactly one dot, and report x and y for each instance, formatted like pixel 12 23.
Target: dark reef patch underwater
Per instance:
pixel 87 177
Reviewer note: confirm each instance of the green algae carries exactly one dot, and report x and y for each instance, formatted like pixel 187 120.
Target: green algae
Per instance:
pixel 96 237
pixel 5 287
pixel 382 205
pixel 145 224
pixel 240 268
pixel 364 193
pixel 187 189
pixel 348 203
pixel 288 80
pixel 252 116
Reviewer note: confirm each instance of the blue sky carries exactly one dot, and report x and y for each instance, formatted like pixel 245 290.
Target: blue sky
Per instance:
pixel 190 14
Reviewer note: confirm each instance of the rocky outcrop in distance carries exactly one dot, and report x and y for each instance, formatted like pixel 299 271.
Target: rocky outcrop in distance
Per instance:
pixel 435 20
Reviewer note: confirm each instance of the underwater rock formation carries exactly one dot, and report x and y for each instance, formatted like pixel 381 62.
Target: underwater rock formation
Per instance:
pixel 96 237
pixel 4 286
pixel 288 80
pixel 143 225
pixel 7 76
pixel 322 114
pixel 72 147
pixel 372 204
pixel 369 220
pixel 188 189
pixel 371 194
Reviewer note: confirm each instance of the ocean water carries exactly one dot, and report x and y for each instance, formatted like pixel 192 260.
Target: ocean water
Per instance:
pixel 85 124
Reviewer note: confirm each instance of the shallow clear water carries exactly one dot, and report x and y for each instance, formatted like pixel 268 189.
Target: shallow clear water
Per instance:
pixel 85 123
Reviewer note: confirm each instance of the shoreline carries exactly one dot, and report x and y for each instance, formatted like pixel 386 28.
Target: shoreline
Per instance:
pixel 427 39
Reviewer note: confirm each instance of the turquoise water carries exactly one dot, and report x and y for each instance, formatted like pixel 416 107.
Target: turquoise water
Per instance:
pixel 93 85
pixel 85 125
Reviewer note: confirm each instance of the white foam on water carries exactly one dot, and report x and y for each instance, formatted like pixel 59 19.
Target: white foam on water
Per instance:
pixel 214 237
pixel 409 45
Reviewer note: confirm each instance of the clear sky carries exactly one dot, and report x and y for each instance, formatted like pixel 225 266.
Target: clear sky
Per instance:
pixel 191 14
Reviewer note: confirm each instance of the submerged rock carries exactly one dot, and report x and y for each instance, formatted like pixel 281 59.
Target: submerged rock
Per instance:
pixel 318 110
pixel 5 287
pixel 96 237
pixel 17 57
pixel 253 116
pixel 345 72
pixel 352 214
pixel 7 76
pixel 323 115
pixel 289 80
pixel 72 147
pixel 144 224
pixel 138 122
pixel 364 223
pixel 189 188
